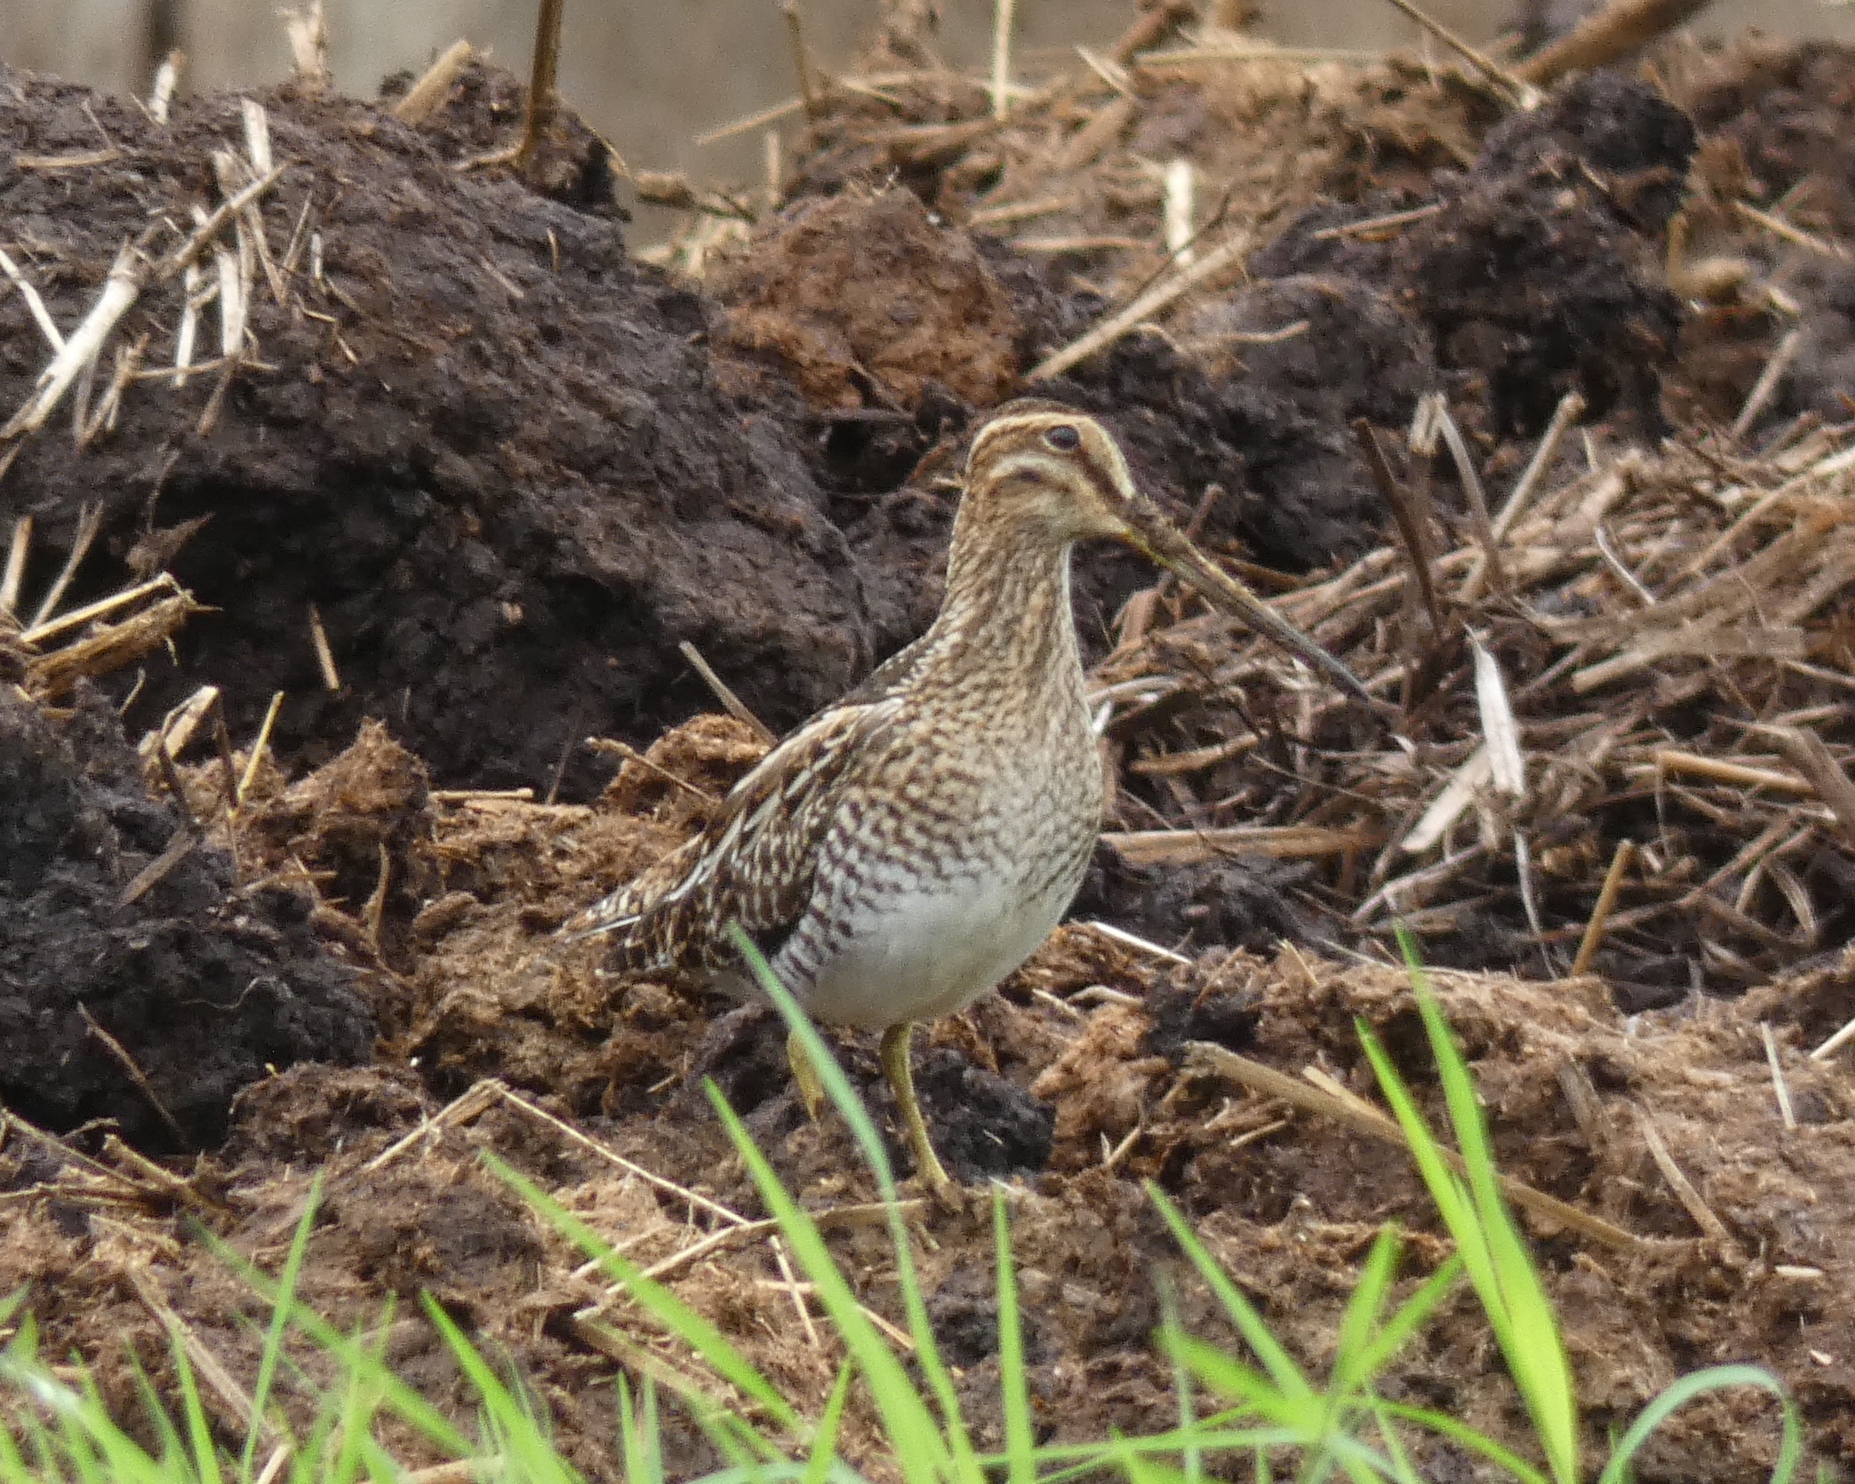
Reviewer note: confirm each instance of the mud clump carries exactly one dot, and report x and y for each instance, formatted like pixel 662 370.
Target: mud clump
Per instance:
pixel 476 438
pixel 1537 274
pixel 201 985
pixel 1787 112
pixel 864 301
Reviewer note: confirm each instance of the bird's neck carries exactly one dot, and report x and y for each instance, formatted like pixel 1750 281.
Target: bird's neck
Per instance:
pixel 1006 617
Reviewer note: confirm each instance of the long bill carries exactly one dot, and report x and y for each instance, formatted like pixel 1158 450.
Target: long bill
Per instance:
pixel 1165 544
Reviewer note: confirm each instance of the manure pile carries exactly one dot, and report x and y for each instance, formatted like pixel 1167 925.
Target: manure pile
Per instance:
pixel 1543 419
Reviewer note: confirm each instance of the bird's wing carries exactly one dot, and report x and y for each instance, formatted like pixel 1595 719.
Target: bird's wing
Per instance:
pixel 754 863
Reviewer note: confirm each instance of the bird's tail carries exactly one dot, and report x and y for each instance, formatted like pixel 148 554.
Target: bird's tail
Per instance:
pixel 611 914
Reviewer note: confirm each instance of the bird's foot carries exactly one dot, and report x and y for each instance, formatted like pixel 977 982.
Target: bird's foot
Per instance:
pixel 805 1077
pixel 894 1057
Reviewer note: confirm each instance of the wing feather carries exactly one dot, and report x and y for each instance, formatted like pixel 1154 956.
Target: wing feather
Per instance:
pixel 754 863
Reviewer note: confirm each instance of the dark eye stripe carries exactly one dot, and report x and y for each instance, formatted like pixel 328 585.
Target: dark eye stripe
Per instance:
pixel 1063 438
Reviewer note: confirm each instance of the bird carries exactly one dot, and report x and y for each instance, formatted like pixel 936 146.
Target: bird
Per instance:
pixel 912 844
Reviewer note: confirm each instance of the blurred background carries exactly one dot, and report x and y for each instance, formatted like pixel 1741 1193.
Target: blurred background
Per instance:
pixel 652 74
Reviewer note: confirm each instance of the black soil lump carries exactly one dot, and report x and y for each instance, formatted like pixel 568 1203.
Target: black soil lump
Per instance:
pixel 1537 278
pixel 202 986
pixel 484 443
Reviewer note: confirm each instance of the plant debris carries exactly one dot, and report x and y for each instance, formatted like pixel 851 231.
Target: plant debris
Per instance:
pixel 413 478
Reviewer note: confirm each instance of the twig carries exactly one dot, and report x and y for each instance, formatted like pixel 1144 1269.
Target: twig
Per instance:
pixel 1779 1087
pixel 1619 28
pixel 631 754
pixel 1613 559
pixel 76 618
pixel 249 776
pixel 1674 760
pixel 1605 905
pixel 466 1108
pixel 1835 1043
pixel 428 94
pixel 120 290
pixel 89 522
pixel 1683 1188
pixel 1766 387
pixel 1409 522
pixel 325 657
pixel 161 1179
pixel 795 1293
pixel 1810 756
pixel 167 79
pixel 1377 223
pixel 307 30
pixel 1205 1056
pixel 1780 228
pixel 1280 842
pixel 238 1413
pixel 1569 410
pixel 1177 210
pixel 1148 304
pixel 1500 731
pixel 41 316
pixel 731 703
pixel 795 30
pixel 1004 22
pixel 543 99
pixel 1477 496
pixel 120 1054
pixel 212 224
pixel 1518 92
pixel 714 1208
pixel 1136 942
pixel 753 121
pixel 15 574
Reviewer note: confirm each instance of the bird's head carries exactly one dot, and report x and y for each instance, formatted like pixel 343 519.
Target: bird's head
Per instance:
pixel 1059 471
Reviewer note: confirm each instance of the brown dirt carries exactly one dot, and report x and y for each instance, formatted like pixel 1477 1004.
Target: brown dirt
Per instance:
pixel 512 467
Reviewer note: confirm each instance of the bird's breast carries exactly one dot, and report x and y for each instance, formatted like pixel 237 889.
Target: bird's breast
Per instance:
pixel 918 921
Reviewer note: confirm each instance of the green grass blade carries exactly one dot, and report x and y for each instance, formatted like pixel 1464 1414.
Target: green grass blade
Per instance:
pixel 1687 1389
pixel 1403 1471
pixel 1526 1327
pixel 1191 1456
pixel 279 1326
pixel 863 1129
pixel 517 1432
pixel 1408 1318
pixel 355 1357
pixel 1249 1322
pixel 665 1307
pixel 1014 1384
pixel 818 1468
pixel 921 1452
pixel 1467 1437
pixel 653 1434
pixel 1230 1377
pixel 204 1452
pixel 1360 1320
pixel 1447 1191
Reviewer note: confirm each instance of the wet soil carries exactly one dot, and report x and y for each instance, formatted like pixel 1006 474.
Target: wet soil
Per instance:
pixel 142 981
pixel 507 468
pixel 482 442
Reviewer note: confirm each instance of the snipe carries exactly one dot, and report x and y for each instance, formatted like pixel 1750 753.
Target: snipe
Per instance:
pixel 910 846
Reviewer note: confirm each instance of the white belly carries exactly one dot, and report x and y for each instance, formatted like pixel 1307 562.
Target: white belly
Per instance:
pixel 929 955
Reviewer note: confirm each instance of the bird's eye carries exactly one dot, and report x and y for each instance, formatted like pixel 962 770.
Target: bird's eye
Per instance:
pixel 1063 438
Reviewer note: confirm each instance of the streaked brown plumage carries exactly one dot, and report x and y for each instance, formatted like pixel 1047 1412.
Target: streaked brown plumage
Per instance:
pixel 911 845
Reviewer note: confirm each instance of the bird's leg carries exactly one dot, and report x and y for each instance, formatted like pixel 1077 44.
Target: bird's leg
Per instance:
pixel 805 1076
pixel 894 1057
